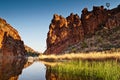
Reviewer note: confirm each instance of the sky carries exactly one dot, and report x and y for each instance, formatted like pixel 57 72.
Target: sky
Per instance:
pixel 32 18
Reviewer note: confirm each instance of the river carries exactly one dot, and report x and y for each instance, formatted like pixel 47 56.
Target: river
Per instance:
pixel 13 68
pixel 16 68
pixel 36 71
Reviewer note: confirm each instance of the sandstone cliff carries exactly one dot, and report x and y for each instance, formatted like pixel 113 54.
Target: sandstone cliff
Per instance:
pixel 64 32
pixel 103 40
pixel 10 41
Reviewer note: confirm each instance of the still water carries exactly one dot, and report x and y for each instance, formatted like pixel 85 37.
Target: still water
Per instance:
pixel 13 68
pixel 36 71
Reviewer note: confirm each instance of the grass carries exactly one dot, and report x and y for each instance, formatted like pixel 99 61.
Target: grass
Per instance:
pixel 85 66
pixel 92 56
pixel 87 70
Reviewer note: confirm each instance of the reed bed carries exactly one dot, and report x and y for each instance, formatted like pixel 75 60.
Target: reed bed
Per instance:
pixel 85 66
pixel 87 70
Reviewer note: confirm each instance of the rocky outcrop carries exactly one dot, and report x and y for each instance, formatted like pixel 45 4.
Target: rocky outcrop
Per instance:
pixel 12 47
pixel 113 21
pixel 91 20
pixel 64 32
pixel 5 27
pixel 10 41
pixel 102 41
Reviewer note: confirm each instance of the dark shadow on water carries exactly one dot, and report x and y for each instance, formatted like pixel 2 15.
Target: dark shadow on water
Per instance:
pixel 11 67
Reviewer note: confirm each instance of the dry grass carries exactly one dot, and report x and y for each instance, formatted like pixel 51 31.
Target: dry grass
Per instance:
pixel 82 56
pixel 51 63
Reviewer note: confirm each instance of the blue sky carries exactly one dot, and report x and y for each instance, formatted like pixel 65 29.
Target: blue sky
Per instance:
pixel 32 17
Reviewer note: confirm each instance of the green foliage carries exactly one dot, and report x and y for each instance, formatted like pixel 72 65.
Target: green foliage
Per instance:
pixel 74 49
pixel 32 54
pixel 85 70
pixel 99 40
pixel 84 45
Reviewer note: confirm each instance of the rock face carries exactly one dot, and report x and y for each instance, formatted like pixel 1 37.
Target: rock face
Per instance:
pixel 12 47
pixel 10 41
pixel 64 32
pixel 93 19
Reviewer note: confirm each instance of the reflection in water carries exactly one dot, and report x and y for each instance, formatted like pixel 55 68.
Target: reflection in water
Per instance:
pixel 35 71
pixel 53 75
pixel 11 67
pixel 50 75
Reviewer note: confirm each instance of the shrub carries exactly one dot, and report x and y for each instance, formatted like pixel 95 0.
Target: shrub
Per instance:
pixel 84 45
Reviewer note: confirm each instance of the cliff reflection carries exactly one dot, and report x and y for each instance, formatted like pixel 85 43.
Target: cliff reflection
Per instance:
pixel 53 75
pixel 49 74
pixel 11 67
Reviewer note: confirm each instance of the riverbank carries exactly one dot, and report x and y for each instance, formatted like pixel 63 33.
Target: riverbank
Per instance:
pixel 87 70
pixel 92 56
pixel 84 66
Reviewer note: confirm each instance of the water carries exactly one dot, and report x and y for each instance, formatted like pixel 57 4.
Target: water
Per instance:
pixel 13 68
pixel 36 71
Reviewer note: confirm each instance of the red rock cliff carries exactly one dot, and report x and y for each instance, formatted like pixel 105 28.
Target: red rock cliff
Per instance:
pixel 64 32
pixel 91 20
pixel 10 41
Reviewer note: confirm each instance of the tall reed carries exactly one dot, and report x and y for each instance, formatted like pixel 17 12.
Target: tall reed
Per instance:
pixel 88 70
